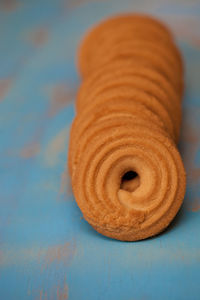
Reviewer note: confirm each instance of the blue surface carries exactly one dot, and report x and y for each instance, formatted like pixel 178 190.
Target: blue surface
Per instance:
pixel 47 250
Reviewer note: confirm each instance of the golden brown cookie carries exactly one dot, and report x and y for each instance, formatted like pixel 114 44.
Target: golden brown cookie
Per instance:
pixel 138 82
pixel 97 180
pixel 157 48
pixel 127 175
pixel 147 56
pixel 105 30
pixel 128 92
pixel 95 113
pixel 168 48
pixel 123 68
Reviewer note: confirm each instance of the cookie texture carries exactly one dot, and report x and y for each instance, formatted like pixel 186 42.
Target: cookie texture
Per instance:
pixel 127 174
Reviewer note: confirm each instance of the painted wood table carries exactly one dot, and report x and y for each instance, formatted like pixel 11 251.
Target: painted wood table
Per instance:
pixel 47 250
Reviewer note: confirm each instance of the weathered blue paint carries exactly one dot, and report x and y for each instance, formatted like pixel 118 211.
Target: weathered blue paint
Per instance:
pixel 47 251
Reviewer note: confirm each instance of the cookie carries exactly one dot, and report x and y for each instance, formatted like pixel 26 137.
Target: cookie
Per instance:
pixel 164 51
pixel 127 175
pixel 104 32
pixel 123 68
pixel 128 92
pixel 139 83
pixel 100 112
pixel 97 180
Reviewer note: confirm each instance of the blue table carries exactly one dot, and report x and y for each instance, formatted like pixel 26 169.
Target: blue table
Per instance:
pixel 47 250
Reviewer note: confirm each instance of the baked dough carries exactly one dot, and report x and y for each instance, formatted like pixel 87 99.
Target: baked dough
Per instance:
pixel 127 175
